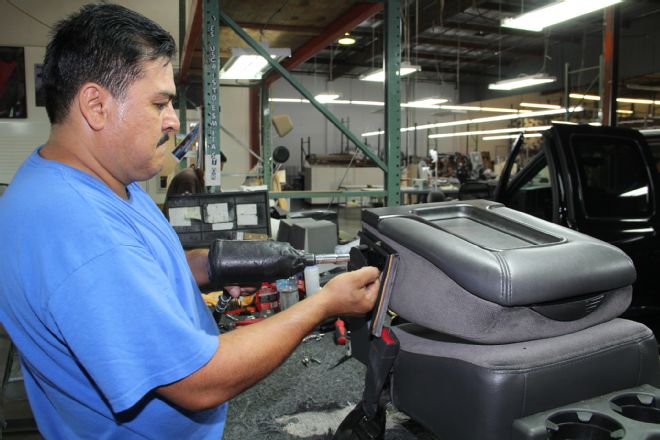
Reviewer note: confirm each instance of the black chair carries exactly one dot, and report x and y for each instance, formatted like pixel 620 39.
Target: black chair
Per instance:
pixel 471 190
pixel 436 196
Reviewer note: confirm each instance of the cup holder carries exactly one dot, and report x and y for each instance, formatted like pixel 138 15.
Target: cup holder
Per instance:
pixel 637 406
pixel 582 425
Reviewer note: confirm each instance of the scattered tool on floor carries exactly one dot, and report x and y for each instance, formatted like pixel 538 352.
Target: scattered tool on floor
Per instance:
pixel 340 332
pixel 347 355
pixel 314 337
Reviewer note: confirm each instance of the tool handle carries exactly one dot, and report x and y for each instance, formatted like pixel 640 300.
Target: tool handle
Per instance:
pixel 340 332
pixel 223 302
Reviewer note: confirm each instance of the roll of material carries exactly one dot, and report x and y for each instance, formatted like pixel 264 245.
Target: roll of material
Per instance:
pixel 312 281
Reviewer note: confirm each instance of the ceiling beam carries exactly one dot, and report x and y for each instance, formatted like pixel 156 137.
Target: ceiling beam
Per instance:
pixel 347 22
pixel 425 68
pixel 500 6
pixel 453 59
pixel 473 45
pixel 192 39
pixel 498 30
pixel 432 15
pixel 291 29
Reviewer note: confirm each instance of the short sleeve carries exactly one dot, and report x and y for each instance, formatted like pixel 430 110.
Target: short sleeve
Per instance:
pixel 126 326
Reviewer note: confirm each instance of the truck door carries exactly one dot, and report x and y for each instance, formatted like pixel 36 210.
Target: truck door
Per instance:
pixel 613 187
pixel 610 183
pixel 535 188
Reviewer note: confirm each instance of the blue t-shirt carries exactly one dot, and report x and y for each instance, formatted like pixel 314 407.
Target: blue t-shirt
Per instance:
pixel 96 293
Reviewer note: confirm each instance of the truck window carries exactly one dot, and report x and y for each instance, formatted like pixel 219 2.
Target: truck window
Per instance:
pixel 535 196
pixel 654 144
pixel 613 177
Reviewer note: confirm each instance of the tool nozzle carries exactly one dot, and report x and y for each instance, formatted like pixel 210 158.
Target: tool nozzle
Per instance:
pixel 313 259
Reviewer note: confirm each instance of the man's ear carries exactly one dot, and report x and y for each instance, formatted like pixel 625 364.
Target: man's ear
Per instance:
pixel 94 101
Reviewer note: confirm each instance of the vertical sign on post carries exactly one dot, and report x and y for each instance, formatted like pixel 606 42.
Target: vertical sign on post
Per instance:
pixel 211 52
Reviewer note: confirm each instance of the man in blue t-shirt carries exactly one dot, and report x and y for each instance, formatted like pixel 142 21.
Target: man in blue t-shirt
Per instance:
pixel 95 289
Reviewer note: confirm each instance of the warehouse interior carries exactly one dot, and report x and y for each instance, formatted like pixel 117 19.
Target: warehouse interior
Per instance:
pixel 515 226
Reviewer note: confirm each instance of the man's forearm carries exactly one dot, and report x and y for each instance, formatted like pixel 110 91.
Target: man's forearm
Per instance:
pixel 246 355
pixel 198 262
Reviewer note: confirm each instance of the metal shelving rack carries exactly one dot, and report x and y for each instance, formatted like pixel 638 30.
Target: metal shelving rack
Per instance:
pixel 212 15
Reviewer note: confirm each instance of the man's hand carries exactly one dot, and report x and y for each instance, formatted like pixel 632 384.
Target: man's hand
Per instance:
pixel 198 261
pixel 236 291
pixel 351 293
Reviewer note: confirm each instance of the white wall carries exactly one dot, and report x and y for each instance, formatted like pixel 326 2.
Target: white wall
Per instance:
pixel 234 116
pixel 325 138
pixel 19 137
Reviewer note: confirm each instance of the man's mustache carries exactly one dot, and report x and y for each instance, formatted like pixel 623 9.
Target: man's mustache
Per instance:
pixel 163 139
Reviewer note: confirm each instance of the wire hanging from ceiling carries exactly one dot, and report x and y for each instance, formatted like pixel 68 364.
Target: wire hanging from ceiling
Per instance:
pixel 546 56
pixel 263 28
pixel 499 47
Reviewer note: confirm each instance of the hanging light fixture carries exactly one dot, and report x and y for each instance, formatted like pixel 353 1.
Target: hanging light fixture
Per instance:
pixel 346 40
pixel 557 12
pixel 522 81
pixel 432 103
pixel 378 75
pixel 248 65
pixel 327 97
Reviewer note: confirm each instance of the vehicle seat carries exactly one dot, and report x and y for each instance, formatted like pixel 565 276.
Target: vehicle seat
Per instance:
pixel 506 315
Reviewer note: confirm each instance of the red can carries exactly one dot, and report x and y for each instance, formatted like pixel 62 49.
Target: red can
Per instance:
pixel 267 298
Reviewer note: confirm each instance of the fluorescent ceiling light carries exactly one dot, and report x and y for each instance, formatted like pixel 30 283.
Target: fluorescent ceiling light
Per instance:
pixel 625 112
pixel 522 81
pixel 471 108
pixel 326 100
pixel 536 105
pixel 369 103
pixel 483 120
pixel 296 100
pixel 433 103
pixel 510 136
pixel 585 97
pixel 635 101
pixel 379 74
pixel 625 100
pixel 494 131
pixel 326 97
pixel 557 12
pixel 248 65
pixel 564 122
pixel 346 40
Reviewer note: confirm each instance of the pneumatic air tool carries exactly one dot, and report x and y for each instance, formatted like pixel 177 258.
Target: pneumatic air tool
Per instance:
pixel 246 262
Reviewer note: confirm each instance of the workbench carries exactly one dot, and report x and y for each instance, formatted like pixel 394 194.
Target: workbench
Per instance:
pixel 331 178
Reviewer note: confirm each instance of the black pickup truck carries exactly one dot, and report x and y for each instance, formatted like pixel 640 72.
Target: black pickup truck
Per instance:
pixel 601 181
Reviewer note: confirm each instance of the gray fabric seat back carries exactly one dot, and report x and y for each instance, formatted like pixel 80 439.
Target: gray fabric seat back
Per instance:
pixel 486 273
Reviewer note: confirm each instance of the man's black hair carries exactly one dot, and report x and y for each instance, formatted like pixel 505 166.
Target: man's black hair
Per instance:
pixel 102 43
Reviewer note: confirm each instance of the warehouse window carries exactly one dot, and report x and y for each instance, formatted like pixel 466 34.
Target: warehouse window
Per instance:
pixel 613 177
